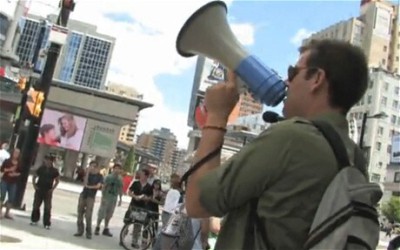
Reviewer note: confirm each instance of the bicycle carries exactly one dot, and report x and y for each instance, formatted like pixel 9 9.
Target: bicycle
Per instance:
pixel 142 226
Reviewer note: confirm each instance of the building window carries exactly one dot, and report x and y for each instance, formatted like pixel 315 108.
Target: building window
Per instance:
pixel 371 84
pixel 395 104
pixel 383 61
pixel 384 48
pixel 375 178
pixel 397 177
pixel 397 90
pixel 384 100
pixel 389 149
pixel 380 131
pixel 386 86
pixel 393 119
pixel 369 99
pixel 378 146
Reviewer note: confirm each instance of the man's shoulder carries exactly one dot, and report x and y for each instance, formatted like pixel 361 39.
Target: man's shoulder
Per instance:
pixel 289 128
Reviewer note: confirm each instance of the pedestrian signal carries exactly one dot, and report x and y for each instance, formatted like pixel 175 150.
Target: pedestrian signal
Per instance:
pixel 35 106
pixel 21 83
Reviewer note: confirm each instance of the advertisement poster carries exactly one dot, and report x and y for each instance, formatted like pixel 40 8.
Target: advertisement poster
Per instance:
pixel 395 154
pixel 382 23
pixel 213 72
pixel 61 129
pixel 100 138
pixel 200 112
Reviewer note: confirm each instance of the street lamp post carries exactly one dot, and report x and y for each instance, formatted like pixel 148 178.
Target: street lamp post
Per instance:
pixel 379 115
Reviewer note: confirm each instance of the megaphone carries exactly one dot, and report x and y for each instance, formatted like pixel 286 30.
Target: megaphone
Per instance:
pixel 207 33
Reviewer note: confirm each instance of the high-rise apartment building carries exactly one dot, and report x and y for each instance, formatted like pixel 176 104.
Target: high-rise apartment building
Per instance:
pixel 178 159
pixel 128 132
pixel 377 32
pixel 246 106
pixel 84 59
pixel 382 96
pixel 161 143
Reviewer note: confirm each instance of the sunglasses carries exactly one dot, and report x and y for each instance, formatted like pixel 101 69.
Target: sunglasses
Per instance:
pixel 294 70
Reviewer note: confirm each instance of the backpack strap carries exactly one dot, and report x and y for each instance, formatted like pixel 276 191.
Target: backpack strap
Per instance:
pixel 335 141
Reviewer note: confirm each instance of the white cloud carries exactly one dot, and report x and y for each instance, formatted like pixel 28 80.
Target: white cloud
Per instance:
pixel 145 48
pixel 300 35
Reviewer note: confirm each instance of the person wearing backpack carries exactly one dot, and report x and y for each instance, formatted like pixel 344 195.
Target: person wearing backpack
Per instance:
pixel 270 191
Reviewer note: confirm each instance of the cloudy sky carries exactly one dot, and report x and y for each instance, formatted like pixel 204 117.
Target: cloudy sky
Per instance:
pixel 146 59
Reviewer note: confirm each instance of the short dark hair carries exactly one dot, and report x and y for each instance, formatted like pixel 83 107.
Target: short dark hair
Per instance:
pixel 117 165
pixel 146 172
pixel 346 70
pixel 45 128
pixel 94 162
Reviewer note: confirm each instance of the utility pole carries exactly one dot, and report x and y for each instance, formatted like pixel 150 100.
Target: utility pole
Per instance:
pixel 43 85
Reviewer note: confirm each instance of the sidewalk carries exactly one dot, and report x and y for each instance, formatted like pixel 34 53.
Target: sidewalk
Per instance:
pixel 19 234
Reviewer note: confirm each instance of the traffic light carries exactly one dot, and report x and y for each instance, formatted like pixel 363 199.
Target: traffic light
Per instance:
pixel 35 106
pixel 22 83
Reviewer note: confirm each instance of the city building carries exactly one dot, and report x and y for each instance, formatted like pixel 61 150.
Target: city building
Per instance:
pixel 162 144
pixel 392 181
pixel 381 97
pixel 128 132
pixel 84 59
pixel 178 159
pixel 253 123
pixel 376 31
pixel 246 105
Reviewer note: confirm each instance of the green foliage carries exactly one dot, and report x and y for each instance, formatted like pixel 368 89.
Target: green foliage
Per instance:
pixel 392 209
pixel 130 161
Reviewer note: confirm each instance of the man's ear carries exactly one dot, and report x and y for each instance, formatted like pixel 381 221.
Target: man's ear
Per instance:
pixel 318 80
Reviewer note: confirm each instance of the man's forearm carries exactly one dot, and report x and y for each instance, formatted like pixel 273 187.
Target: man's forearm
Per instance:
pixel 210 140
pixel 55 184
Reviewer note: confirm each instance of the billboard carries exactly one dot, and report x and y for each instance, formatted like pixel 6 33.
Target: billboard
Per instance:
pixel 61 129
pixel 200 113
pixel 382 25
pixel 395 152
pixel 212 73
pixel 100 138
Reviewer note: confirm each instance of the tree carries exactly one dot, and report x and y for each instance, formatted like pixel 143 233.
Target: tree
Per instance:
pixel 392 209
pixel 130 161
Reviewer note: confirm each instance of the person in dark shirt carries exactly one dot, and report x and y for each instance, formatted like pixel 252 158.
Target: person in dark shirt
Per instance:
pixel 156 199
pixel 394 244
pixel 8 185
pixel 92 182
pixel 141 193
pixel 140 190
pixel 47 177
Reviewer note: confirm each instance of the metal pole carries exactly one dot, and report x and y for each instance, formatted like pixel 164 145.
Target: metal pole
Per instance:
pixel 363 124
pixel 28 151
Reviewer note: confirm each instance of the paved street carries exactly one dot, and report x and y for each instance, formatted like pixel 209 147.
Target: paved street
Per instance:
pixel 18 234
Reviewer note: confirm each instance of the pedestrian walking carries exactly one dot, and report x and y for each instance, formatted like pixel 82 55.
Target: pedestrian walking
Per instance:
pixel 93 181
pixel 10 172
pixel 45 181
pixel 112 189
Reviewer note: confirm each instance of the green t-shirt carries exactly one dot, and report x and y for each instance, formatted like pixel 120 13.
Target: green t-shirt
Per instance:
pixel 112 187
pixel 287 168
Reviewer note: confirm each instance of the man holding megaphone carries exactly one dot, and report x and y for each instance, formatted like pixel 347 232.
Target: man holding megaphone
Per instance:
pixel 276 182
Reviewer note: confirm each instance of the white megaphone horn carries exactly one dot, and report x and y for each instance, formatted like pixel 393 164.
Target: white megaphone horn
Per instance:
pixel 207 33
